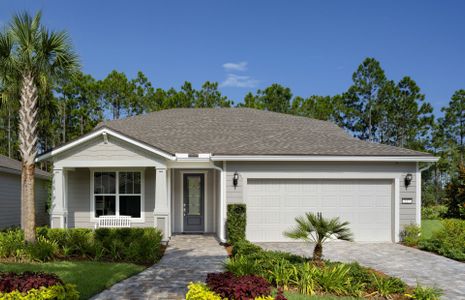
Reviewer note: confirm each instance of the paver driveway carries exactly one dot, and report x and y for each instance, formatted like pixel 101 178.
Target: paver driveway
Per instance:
pixel 187 258
pixel 410 264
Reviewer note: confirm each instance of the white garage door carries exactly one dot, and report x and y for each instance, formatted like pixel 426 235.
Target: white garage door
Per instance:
pixel 272 205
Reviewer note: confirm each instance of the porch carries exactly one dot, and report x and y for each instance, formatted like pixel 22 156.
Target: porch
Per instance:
pixel 175 200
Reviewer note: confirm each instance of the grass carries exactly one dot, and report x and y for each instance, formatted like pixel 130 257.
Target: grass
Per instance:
pixel 429 226
pixel 89 277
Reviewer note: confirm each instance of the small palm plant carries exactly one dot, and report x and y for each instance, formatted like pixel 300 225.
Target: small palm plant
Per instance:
pixel 314 228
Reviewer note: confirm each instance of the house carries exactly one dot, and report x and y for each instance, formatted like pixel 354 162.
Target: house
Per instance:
pixel 178 169
pixel 10 193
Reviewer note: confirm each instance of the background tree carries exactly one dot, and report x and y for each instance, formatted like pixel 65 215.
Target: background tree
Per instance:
pixel 409 119
pixel 325 108
pixel 454 122
pixel 33 56
pixel 363 105
pixel 275 98
pixel 80 111
pixel 209 96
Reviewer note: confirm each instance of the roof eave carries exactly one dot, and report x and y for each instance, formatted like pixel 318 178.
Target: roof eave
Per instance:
pixel 342 158
pixel 103 131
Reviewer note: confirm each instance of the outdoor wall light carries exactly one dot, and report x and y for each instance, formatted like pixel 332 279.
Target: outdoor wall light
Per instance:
pixel 235 178
pixel 408 180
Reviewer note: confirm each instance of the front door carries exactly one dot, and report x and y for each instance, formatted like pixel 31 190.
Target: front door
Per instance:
pixel 193 202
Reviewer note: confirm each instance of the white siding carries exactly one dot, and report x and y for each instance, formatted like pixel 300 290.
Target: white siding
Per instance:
pixel 113 153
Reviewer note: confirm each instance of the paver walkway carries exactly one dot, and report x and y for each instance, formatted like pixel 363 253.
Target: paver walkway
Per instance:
pixel 410 264
pixel 187 258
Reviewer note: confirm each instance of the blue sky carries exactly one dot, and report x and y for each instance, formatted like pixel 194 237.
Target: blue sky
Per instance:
pixel 313 47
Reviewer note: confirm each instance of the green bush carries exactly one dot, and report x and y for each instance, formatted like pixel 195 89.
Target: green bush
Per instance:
pixel 199 291
pixel 139 245
pixel 42 250
pixel 12 244
pixel 449 241
pixel 410 235
pixel 425 293
pixel 54 292
pixel 244 247
pixel 236 223
pixel 433 212
pixel 136 245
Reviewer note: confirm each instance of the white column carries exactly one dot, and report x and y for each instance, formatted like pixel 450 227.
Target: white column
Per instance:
pixel 222 202
pixel 59 210
pixel 418 194
pixel 161 211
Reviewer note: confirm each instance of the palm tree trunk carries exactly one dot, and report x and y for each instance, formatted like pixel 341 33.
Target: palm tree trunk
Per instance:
pixel 318 252
pixel 27 147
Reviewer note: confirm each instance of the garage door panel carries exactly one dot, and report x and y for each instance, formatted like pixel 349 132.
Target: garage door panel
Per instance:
pixel 273 205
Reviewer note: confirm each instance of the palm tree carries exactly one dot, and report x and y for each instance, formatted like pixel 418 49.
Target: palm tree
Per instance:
pixel 34 57
pixel 316 229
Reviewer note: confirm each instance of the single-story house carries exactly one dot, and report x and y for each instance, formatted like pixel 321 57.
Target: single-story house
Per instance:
pixel 10 193
pixel 178 170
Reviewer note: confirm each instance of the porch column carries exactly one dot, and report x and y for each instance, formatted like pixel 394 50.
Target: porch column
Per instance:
pixel 59 209
pixel 161 211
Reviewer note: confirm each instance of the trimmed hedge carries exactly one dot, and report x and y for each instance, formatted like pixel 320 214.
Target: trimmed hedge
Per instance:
pixel 236 223
pixel 134 245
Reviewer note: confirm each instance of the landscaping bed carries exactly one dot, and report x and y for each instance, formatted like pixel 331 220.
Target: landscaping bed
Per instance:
pixel 445 237
pixel 93 260
pixel 90 277
pixel 31 285
pixel 133 245
pixel 253 273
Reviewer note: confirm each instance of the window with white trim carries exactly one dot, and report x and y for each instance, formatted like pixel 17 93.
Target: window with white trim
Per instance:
pixel 117 193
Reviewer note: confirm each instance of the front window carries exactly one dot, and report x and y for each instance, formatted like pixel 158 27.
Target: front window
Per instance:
pixel 117 193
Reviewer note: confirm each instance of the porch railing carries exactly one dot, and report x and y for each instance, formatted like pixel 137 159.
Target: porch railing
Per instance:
pixel 113 222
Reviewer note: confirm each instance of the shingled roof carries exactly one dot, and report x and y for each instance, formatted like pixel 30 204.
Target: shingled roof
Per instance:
pixel 245 131
pixel 15 166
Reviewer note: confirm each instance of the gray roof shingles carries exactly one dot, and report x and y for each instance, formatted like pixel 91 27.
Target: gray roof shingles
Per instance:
pixel 245 131
pixel 15 165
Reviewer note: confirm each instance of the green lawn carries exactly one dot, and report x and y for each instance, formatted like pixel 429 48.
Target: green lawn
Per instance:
pixel 429 226
pixel 89 277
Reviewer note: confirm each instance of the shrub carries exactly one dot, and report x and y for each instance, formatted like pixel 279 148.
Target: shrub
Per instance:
pixel 433 212
pixel 455 195
pixel 42 250
pixel 386 286
pixel 244 247
pixel 23 282
pixel 236 223
pixel 241 265
pixel 304 278
pixel 139 245
pixel 230 286
pixel 448 241
pixel 67 291
pixel 425 293
pixel 199 291
pixel 410 235
pixel 12 243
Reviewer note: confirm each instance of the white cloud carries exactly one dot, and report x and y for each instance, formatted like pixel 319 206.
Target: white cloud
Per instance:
pixel 240 66
pixel 233 80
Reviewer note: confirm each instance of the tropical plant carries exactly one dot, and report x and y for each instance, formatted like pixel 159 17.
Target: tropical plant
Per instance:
pixel 32 56
pixel 425 293
pixel 314 228
pixel 410 235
